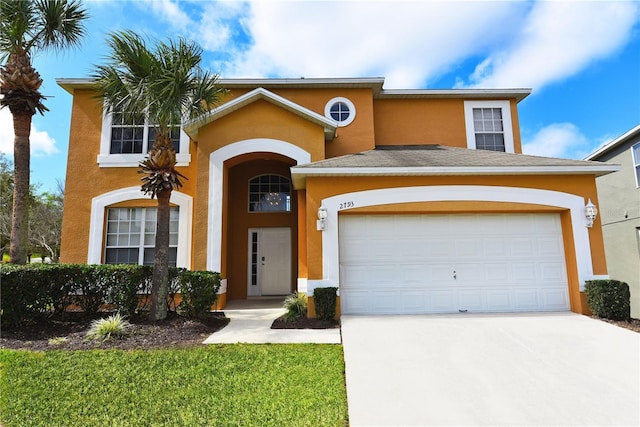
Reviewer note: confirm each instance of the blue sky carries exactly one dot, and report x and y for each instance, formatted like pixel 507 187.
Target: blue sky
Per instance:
pixel 581 59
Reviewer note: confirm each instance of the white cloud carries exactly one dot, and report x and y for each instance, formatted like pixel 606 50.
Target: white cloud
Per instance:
pixel 169 12
pixel 42 144
pixel 406 42
pixel 410 43
pixel 563 140
pixel 558 40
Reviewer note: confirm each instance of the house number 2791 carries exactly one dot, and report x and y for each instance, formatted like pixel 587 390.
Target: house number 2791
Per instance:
pixel 347 205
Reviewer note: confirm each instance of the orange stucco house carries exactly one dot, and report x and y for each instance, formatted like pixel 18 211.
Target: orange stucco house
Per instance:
pixel 407 201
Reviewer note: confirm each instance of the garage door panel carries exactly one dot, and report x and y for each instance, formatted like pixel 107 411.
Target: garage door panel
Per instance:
pixel 552 271
pixel 522 247
pixel 412 301
pixel 439 248
pixel 443 301
pixel 550 246
pixel 498 299
pixel 554 299
pixel 437 272
pixel 468 248
pixel 355 302
pixel 502 262
pixel 526 299
pixel 495 247
pixel 471 300
pixel 497 272
pixel 524 272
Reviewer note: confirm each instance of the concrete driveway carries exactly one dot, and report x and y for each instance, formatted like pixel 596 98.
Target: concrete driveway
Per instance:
pixel 504 369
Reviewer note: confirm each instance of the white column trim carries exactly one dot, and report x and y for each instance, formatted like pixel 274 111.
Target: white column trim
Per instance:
pixel 97 227
pixel 216 185
pixel 575 204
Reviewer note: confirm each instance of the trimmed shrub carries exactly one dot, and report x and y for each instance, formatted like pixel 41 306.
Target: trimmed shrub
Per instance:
pixel 325 302
pixel 31 290
pixel 91 286
pixel 609 299
pixel 128 282
pixel 296 306
pixel 199 291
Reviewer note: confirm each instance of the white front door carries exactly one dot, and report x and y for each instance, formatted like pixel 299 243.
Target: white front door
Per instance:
pixel 269 263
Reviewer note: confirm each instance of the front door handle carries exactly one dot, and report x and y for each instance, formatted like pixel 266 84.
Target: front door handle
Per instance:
pixel 262 260
pixel 455 275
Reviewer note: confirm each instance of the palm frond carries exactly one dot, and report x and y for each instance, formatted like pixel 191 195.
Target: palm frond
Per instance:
pixel 60 24
pixel 17 19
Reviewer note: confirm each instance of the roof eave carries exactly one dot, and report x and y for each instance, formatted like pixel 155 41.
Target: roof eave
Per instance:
pixel 516 93
pixel 71 84
pixel 300 173
pixel 613 144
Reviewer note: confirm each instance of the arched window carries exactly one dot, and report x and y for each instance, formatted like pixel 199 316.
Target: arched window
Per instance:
pixel 269 193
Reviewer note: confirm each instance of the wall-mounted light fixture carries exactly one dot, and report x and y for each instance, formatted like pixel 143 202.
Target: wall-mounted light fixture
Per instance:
pixel 322 217
pixel 590 213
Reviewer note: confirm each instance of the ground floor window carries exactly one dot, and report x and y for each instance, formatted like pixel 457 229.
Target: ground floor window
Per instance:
pixel 131 236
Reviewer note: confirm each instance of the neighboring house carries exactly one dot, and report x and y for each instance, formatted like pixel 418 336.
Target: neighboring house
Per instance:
pixel 408 201
pixel 619 195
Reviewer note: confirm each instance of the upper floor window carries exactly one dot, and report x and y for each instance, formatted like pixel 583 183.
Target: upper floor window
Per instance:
pixel 136 136
pixel 488 125
pixel 269 193
pixel 636 162
pixel 131 236
pixel 126 142
pixel 341 110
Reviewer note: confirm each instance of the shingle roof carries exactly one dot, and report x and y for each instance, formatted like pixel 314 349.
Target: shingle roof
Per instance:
pixel 401 160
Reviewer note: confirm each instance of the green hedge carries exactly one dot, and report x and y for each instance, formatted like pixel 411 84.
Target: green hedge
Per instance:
pixel 609 299
pixel 32 290
pixel 199 291
pixel 325 302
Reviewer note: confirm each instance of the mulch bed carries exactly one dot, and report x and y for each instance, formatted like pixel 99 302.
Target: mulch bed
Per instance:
pixel 68 332
pixel 304 323
pixel 633 324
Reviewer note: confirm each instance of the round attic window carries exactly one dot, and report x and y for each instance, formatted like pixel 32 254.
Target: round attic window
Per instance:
pixel 341 110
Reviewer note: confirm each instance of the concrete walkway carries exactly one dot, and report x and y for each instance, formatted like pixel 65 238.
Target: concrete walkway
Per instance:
pixel 490 370
pixel 253 325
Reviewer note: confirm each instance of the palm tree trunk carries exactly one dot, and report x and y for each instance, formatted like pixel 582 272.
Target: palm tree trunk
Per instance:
pixel 21 166
pixel 160 278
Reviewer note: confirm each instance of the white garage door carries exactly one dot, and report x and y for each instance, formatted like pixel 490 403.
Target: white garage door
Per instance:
pixel 452 263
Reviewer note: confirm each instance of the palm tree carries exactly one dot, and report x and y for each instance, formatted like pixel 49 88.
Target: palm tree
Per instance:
pixel 27 27
pixel 164 85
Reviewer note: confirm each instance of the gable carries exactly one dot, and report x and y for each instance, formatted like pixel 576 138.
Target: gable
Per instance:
pixel 260 94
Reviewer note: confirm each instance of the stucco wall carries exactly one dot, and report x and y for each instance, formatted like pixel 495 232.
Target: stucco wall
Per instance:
pixel 620 215
pixel 86 180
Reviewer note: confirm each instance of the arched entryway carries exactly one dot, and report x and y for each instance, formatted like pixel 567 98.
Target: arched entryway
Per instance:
pixel 261 226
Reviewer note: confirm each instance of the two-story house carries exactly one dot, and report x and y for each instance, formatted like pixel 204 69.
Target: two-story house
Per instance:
pixel 619 195
pixel 407 201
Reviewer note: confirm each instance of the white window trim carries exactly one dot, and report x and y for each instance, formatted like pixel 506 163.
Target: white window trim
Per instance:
pixel 635 165
pixel 352 111
pixel 507 124
pixel 97 226
pixel 106 159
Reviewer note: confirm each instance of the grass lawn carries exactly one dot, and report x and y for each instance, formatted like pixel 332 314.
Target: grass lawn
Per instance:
pixel 224 385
